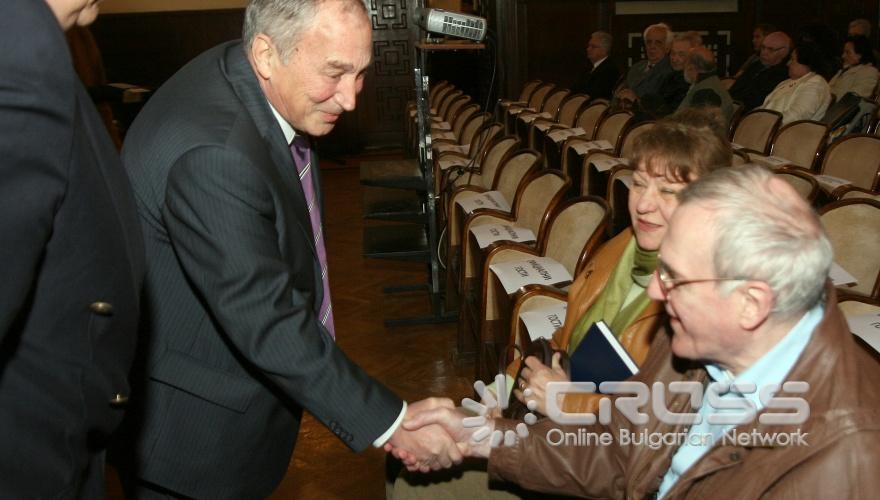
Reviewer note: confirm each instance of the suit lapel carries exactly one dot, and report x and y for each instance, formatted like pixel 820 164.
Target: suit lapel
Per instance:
pixel 240 75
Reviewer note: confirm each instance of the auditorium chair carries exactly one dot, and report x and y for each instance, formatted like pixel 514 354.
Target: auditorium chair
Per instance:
pixel 610 130
pixel 588 121
pixel 799 143
pixel 801 180
pixel 853 226
pixel 594 182
pixel 855 158
pixel 549 109
pixel 755 129
pixel 568 113
pixel 503 104
pixel 536 100
pixel 576 229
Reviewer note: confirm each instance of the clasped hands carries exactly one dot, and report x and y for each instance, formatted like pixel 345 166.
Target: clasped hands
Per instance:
pixel 435 434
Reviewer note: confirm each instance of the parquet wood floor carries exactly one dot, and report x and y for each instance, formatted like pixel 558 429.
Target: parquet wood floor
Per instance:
pixel 415 362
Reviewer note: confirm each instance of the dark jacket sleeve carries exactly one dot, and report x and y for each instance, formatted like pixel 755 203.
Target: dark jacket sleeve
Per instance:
pixel 219 218
pixel 36 124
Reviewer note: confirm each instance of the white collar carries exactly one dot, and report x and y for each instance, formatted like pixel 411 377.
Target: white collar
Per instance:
pixel 286 128
pixel 600 61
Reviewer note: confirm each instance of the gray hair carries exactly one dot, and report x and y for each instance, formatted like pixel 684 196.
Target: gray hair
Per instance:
pixel 660 26
pixel 702 65
pixel 692 37
pixel 863 24
pixel 604 39
pixel 283 21
pixel 766 234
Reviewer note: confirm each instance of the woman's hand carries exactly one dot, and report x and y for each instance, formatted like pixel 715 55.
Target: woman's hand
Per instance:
pixel 535 376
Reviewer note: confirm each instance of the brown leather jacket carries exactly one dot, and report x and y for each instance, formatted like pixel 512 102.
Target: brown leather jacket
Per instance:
pixel 584 292
pixel 841 458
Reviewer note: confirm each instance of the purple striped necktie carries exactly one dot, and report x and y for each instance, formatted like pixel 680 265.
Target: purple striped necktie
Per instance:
pixel 301 152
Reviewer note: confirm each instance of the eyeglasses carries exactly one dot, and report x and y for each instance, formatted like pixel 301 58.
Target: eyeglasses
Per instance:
pixel 667 283
pixel 771 49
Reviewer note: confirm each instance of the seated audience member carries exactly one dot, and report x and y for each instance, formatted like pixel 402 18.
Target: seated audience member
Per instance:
pixel 758 34
pixel 648 75
pixel 805 95
pixel 859 27
pixel 758 80
pixel 743 273
pixel 601 75
pixel 706 89
pixel 612 286
pixel 858 74
pixel 665 100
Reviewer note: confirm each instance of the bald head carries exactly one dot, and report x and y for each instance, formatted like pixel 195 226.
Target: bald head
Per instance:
pixel 775 48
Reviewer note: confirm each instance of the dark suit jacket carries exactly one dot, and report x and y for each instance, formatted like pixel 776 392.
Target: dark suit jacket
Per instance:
pixel 72 258
pixel 753 86
pixel 643 81
pixel 234 348
pixel 598 83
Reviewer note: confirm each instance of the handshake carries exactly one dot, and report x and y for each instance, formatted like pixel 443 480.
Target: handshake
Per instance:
pixel 437 435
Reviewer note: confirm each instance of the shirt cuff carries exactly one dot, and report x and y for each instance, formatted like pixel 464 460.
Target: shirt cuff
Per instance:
pixel 380 441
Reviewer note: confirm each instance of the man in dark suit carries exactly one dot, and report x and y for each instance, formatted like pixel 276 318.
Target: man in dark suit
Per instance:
pixel 72 258
pixel 648 75
pixel 600 77
pixel 238 325
pixel 760 78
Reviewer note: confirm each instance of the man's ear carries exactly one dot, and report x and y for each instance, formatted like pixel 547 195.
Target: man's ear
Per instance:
pixel 264 56
pixel 756 302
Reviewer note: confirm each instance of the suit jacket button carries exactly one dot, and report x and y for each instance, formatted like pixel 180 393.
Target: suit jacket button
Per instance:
pixel 102 308
pixel 118 400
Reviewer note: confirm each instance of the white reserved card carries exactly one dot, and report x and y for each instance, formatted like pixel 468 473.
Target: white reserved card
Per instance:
pixel 866 326
pixel 443 147
pixel 541 323
pixel 840 277
pixel 543 126
pixel 562 134
pixel 490 233
pixel 536 270
pixel 608 163
pixel 488 199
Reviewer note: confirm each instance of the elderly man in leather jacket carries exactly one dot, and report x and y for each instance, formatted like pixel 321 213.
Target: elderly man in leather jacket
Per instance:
pixel 777 398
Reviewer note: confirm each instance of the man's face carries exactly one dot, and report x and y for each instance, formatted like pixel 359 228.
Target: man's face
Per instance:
pixel 757 39
pixel 774 49
pixel 655 45
pixel 325 70
pixel 679 55
pixel 595 50
pixel 74 12
pixel 699 314
pixel 690 72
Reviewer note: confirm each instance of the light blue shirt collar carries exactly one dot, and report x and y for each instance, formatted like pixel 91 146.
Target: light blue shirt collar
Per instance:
pixel 286 128
pixel 774 365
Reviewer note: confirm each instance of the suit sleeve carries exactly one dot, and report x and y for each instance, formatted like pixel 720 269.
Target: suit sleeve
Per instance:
pixel 36 114
pixel 220 218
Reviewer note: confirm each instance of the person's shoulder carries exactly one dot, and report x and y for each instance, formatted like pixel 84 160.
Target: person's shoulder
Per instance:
pixel 34 45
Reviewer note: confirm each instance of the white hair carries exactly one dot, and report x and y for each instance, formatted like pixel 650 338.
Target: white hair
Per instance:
pixel 604 39
pixel 660 26
pixel 764 234
pixel 283 21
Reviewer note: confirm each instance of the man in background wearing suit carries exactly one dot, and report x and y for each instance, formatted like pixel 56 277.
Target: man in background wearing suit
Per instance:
pixel 600 77
pixel 238 329
pixel 72 257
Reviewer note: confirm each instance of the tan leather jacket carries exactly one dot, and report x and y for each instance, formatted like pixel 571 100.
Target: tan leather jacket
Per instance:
pixel 841 458
pixel 584 292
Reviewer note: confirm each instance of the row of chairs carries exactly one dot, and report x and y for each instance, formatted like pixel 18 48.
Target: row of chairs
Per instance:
pixel 477 155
